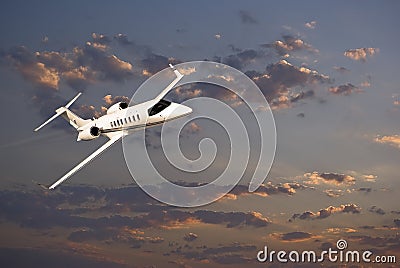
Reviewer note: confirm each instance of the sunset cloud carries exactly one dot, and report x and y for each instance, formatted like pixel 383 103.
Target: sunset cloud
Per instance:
pixel 290 44
pixel 344 89
pixel 311 24
pixel 326 212
pixel 280 78
pixel 361 54
pixel 78 68
pixel 316 178
pixel 393 140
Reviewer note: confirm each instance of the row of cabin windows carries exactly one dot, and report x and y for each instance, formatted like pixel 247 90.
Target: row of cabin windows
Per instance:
pixel 126 120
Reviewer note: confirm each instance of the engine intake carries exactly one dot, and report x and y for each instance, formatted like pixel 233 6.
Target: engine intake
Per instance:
pixel 117 107
pixel 95 131
pixel 89 134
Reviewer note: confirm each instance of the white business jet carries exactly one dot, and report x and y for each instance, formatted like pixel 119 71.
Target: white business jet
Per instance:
pixel 120 121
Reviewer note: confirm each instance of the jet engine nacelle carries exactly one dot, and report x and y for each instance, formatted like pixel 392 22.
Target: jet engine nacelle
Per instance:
pixel 117 107
pixel 89 134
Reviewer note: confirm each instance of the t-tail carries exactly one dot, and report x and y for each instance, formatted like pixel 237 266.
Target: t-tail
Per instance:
pixel 68 115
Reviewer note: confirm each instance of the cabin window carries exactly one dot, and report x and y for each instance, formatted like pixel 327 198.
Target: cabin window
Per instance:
pixel 129 118
pixel 111 123
pixel 126 121
pixel 158 107
pixel 133 117
pixel 138 118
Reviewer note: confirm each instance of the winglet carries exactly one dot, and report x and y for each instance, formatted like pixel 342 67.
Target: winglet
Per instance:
pixel 44 187
pixel 177 73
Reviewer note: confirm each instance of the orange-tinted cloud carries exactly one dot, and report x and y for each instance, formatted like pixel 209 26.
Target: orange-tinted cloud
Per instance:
pixel 316 178
pixel 311 24
pixel 393 140
pixel 361 54
pixel 344 89
pixel 290 44
pixel 326 212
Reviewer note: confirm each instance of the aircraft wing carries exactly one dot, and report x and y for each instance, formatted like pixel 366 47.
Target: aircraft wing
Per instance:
pixel 96 153
pixel 170 86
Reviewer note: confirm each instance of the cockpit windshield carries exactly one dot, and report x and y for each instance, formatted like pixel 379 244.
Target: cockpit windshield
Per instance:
pixel 158 107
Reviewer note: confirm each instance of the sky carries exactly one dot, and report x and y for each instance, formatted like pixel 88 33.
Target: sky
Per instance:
pixel 329 71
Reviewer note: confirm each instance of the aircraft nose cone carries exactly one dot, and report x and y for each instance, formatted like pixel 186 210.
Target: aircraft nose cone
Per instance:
pixel 188 110
pixel 177 110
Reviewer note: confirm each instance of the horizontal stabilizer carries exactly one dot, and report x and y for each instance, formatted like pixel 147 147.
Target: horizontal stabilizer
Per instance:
pixel 59 112
pixel 49 120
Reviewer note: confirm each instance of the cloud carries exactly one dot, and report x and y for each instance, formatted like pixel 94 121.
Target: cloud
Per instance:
pixel 104 66
pixel 295 236
pixel 344 89
pixel 393 140
pixel 326 212
pixel 46 257
pixel 333 193
pixel 364 189
pixel 391 242
pixel 375 209
pixel 341 70
pixel 45 39
pixel 316 178
pixel 361 54
pixel 101 39
pixel 190 237
pixel 311 24
pixel 139 50
pixel 301 115
pixel 47 71
pixel 232 219
pixel 290 44
pixel 370 177
pixel 31 69
pixel 365 84
pixel 110 100
pixel 279 81
pixel 87 111
pixel 46 214
pixel 154 63
pixel 227 254
pixel 77 68
pixel 247 18
pixel 269 189
pixel 192 128
pixel 242 59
